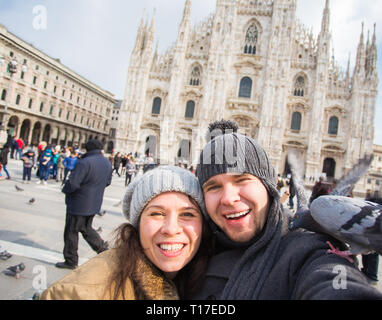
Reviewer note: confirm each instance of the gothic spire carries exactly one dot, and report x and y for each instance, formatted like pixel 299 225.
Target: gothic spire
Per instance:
pixel 360 60
pixel 325 25
pixel 347 77
pixel 153 21
pixel 324 37
pixel 140 34
pixel 184 27
pixel 187 10
pixel 372 54
pixel 374 43
pixel 151 29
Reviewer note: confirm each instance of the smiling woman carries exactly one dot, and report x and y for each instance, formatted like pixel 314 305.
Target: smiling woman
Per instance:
pixel 161 253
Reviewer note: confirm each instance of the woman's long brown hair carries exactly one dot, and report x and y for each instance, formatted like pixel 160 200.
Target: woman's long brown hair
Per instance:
pixel 129 251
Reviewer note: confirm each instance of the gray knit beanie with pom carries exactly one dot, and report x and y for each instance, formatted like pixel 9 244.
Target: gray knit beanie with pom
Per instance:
pixel 156 181
pixel 231 152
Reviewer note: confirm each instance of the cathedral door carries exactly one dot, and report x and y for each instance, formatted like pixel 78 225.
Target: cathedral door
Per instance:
pixel 329 167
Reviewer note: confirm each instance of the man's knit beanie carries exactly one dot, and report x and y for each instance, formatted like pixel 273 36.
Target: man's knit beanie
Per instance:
pixel 231 152
pixel 155 182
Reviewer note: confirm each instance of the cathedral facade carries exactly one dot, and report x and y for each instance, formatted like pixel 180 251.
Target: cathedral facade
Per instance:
pixel 252 62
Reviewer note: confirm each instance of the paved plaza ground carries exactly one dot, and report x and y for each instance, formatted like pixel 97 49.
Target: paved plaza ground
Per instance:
pixel 34 233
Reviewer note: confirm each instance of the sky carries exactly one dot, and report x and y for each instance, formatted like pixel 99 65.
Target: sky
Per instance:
pixel 95 38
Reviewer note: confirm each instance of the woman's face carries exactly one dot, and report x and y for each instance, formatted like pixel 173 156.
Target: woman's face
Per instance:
pixel 170 231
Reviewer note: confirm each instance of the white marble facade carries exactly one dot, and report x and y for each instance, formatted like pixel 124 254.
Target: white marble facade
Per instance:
pixel 251 61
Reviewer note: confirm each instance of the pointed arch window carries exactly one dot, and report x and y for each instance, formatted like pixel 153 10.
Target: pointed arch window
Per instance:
pixel 3 94
pixel 299 87
pixel 333 125
pixel 195 77
pixel 245 90
pixel 296 121
pixel 190 109
pixel 18 98
pixel 156 105
pixel 251 38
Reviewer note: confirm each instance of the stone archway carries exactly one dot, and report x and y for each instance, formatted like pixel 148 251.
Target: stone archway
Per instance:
pixel 25 130
pixel 36 134
pixel 329 167
pixel 55 135
pixel 46 134
pixel 110 147
pixel 13 125
pixel 70 138
pixel 103 141
pixel 63 135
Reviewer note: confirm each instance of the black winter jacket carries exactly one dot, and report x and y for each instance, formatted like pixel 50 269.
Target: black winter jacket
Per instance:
pixel 86 185
pixel 303 270
pixel 4 156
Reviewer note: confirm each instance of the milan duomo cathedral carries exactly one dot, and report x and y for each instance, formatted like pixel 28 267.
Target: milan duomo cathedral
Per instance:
pixel 251 61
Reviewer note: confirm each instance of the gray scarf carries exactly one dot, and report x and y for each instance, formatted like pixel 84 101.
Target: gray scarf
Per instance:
pixel 258 259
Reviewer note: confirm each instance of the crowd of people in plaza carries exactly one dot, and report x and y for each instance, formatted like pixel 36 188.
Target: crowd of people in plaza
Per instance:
pixel 51 162
pixel 129 165
pixel 217 232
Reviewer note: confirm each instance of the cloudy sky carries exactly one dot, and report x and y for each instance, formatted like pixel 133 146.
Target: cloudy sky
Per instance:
pixel 95 37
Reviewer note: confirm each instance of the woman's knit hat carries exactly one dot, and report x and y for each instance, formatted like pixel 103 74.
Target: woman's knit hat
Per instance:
pixel 154 182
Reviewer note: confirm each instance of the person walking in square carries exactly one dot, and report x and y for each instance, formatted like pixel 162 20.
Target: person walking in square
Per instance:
pixel 117 163
pixel 13 148
pixel 60 166
pixel 46 163
pixel 84 192
pixel 21 145
pixel 130 170
pixel 4 159
pixel 28 159
pixel 69 164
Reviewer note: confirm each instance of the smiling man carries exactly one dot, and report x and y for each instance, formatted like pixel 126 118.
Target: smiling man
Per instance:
pixel 256 257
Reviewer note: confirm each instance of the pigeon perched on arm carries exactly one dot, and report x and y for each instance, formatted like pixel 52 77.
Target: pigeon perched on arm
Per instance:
pixel 356 223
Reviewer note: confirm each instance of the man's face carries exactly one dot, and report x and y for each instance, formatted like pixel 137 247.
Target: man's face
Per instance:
pixel 238 204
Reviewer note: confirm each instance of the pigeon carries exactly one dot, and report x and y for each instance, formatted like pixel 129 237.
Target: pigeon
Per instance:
pixel 18 188
pixel 32 201
pixel 36 296
pixel 102 213
pixel 117 204
pixel 5 255
pixel 356 223
pixel 346 184
pixel 16 270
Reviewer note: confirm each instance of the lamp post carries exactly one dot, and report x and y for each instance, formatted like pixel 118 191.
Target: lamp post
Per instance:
pixel 12 69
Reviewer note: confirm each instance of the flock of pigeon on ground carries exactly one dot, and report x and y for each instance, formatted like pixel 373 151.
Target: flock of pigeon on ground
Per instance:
pixel 356 223
pixel 15 271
